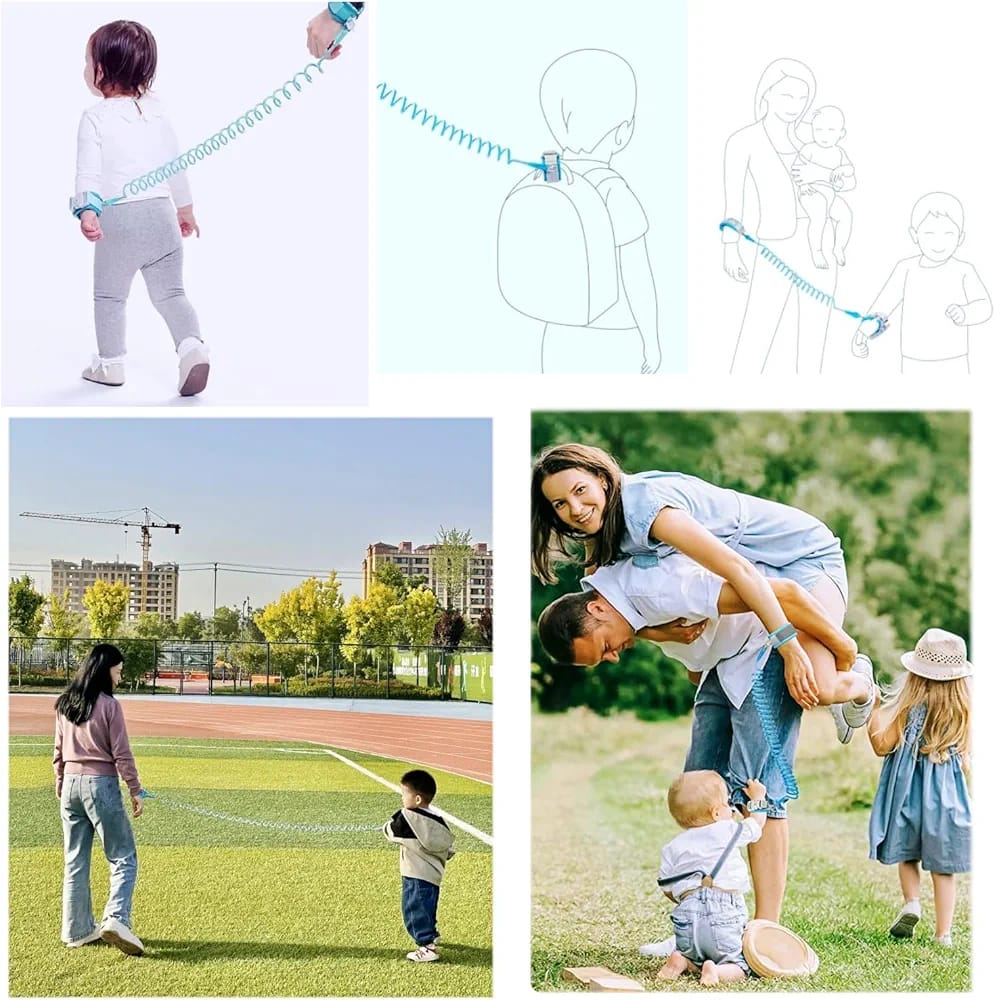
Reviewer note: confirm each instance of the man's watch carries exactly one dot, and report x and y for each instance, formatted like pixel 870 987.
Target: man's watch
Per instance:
pixel 87 201
pixel 757 806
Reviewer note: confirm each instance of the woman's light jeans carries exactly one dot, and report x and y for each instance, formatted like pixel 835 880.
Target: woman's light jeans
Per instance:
pixel 92 802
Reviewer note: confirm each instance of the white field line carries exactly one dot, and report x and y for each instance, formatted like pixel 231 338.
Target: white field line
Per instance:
pixel 472 830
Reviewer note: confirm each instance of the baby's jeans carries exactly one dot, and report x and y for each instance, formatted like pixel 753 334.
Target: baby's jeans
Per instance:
pixel 709 925
pixel 139 236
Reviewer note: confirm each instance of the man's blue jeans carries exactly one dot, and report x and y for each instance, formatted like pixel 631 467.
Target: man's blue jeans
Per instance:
pixel 419 904
pixel 92 803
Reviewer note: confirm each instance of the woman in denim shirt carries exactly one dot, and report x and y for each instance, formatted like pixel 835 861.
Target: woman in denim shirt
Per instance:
pixel 91 753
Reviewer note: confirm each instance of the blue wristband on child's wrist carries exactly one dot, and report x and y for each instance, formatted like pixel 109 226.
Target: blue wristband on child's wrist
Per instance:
pixel 88 201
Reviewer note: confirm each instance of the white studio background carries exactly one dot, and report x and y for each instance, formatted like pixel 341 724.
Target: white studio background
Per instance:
pixel 439 308
pixel 279 277
pixel 913 81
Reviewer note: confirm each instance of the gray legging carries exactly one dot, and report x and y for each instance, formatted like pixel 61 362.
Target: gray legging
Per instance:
pixel 139 236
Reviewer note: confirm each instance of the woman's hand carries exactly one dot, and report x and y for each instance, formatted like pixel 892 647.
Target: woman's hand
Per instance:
pixel 322 30
pixel 187 222
pixel 676 631
pixel 733 263
pixel 89 225
pixel 137 805
pixel 799 675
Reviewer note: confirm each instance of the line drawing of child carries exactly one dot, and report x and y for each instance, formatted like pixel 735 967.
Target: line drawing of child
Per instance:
pixel 588 100
pixel 941 296
pixel 119 138
pixel 821 199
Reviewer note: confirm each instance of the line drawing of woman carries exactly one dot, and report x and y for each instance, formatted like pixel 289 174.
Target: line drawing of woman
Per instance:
pixel 760 168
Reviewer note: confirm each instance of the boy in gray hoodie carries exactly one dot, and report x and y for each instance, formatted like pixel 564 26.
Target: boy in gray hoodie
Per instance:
pixel 426 845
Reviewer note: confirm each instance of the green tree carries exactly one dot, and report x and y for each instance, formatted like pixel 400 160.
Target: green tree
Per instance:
pixel 106 605
pixel 450 563
pixel 63 622
pixel 311 613
pixel 226 624
pixel 485 626
pixel 391 575
pixel 150 625
pixel 421 612
pixel 25 608
pixel 190 627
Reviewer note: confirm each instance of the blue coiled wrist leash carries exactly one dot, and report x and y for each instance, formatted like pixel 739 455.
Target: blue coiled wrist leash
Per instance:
pixel 765 709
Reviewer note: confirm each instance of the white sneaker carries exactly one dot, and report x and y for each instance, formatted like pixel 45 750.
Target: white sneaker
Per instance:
pixel 905 923
pixel 854 714
pixel 659 949
pixel 104 372
pixel 944 941
pixel 426 953
pixel 114 932
pixel 94 935
pixel 195 366
pixel 844 732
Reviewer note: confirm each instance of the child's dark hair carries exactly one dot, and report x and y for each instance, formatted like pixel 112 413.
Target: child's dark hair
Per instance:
pixel 421 783
pixel 125 54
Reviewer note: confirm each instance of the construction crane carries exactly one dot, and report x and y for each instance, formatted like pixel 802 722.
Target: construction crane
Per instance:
pixel 146 527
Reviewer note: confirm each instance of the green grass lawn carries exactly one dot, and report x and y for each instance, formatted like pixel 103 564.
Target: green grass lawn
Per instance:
pixel 600 818
pixel 228 909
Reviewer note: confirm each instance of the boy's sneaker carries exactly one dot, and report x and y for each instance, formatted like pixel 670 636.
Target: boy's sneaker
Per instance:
pixel 851 716
pixel 94 935
pixel 195 366
pixel 104 372
pixel 119 934
pixel 659 949
pixel 905 923
pixel 426 953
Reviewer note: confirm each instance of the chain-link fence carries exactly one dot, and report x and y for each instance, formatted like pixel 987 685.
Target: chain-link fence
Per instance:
pixel 290 669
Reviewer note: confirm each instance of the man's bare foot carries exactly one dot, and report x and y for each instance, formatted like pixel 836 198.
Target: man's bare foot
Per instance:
pixel 840 257
pixel 819 259
pixel 676 966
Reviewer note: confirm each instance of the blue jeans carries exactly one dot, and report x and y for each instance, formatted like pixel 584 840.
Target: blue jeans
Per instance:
pixel 419 904
pixel 731 740
pixel 92 802
pixel 709 926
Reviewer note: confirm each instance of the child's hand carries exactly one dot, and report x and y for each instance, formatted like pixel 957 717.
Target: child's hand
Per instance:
pixel 188 224
pixel 878 697
pixel 956 313
pixel 89 225
pixel 858 346
pixel 755 789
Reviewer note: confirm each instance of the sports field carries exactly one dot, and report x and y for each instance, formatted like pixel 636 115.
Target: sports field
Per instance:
pixel 600 818
pixel 234 898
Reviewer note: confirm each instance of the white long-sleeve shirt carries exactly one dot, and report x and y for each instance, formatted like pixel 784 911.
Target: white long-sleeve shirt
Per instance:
pixel 122 138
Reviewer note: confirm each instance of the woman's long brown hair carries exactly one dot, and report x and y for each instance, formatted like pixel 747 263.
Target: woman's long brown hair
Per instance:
pixel 551 538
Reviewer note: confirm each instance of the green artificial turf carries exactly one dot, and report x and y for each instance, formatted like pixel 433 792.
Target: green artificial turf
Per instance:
pixel 600 819
pixel 233 909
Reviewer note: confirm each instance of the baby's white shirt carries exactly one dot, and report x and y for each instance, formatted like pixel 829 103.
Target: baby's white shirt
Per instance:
pixel 122 138
pixel 700 849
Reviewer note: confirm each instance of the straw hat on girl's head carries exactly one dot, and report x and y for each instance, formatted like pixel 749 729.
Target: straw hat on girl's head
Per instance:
pixel 938 656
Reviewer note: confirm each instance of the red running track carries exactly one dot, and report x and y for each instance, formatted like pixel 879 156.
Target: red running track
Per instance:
pixel 460 746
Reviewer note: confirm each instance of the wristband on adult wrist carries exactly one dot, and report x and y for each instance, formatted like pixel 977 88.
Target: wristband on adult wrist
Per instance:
pixel 781 635
pixel 87 201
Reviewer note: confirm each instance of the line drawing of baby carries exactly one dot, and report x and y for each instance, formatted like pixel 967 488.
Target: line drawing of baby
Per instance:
pixel 822 201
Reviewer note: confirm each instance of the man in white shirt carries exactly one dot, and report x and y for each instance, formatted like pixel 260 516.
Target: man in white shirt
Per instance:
pixel 622 602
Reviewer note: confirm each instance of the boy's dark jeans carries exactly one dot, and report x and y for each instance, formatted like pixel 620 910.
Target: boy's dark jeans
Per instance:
pixel 419 903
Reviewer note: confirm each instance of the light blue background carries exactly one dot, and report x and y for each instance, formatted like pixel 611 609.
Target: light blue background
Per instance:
pixel 438 307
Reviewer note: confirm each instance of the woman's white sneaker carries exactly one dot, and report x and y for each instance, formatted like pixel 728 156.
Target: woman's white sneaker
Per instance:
pixel 426 953
pixel 94 935
pixel 119 934
pixel 659 949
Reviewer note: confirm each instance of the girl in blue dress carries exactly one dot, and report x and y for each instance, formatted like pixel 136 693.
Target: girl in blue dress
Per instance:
pixel 581 493
pixel 922 810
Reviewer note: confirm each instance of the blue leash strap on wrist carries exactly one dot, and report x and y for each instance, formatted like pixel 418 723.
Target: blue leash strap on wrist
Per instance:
pixel 802 284
pixel 765 710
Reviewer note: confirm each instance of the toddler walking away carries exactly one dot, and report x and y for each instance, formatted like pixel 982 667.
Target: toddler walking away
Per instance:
pixel 426 845
pixel 121 138
pixel 703 872
pixel 922 810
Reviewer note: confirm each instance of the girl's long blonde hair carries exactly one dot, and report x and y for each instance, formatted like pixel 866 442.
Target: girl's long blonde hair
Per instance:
pixel 948 713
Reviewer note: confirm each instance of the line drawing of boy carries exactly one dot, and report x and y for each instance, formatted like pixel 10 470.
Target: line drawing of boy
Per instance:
pixel 588 100
pixel 941 296
pixel 821 200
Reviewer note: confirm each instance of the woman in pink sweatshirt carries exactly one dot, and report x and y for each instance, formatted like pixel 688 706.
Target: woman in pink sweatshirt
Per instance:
pixel 91 752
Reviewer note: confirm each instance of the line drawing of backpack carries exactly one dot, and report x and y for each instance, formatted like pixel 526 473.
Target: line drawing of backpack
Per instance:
pixel 556 254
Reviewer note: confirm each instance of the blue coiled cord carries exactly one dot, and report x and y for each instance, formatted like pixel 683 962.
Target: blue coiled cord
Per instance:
pixel 445 129
pixel 768 722
pixel 802 284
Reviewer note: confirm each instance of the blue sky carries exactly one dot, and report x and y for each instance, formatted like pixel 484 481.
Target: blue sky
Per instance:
pixel 300 493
